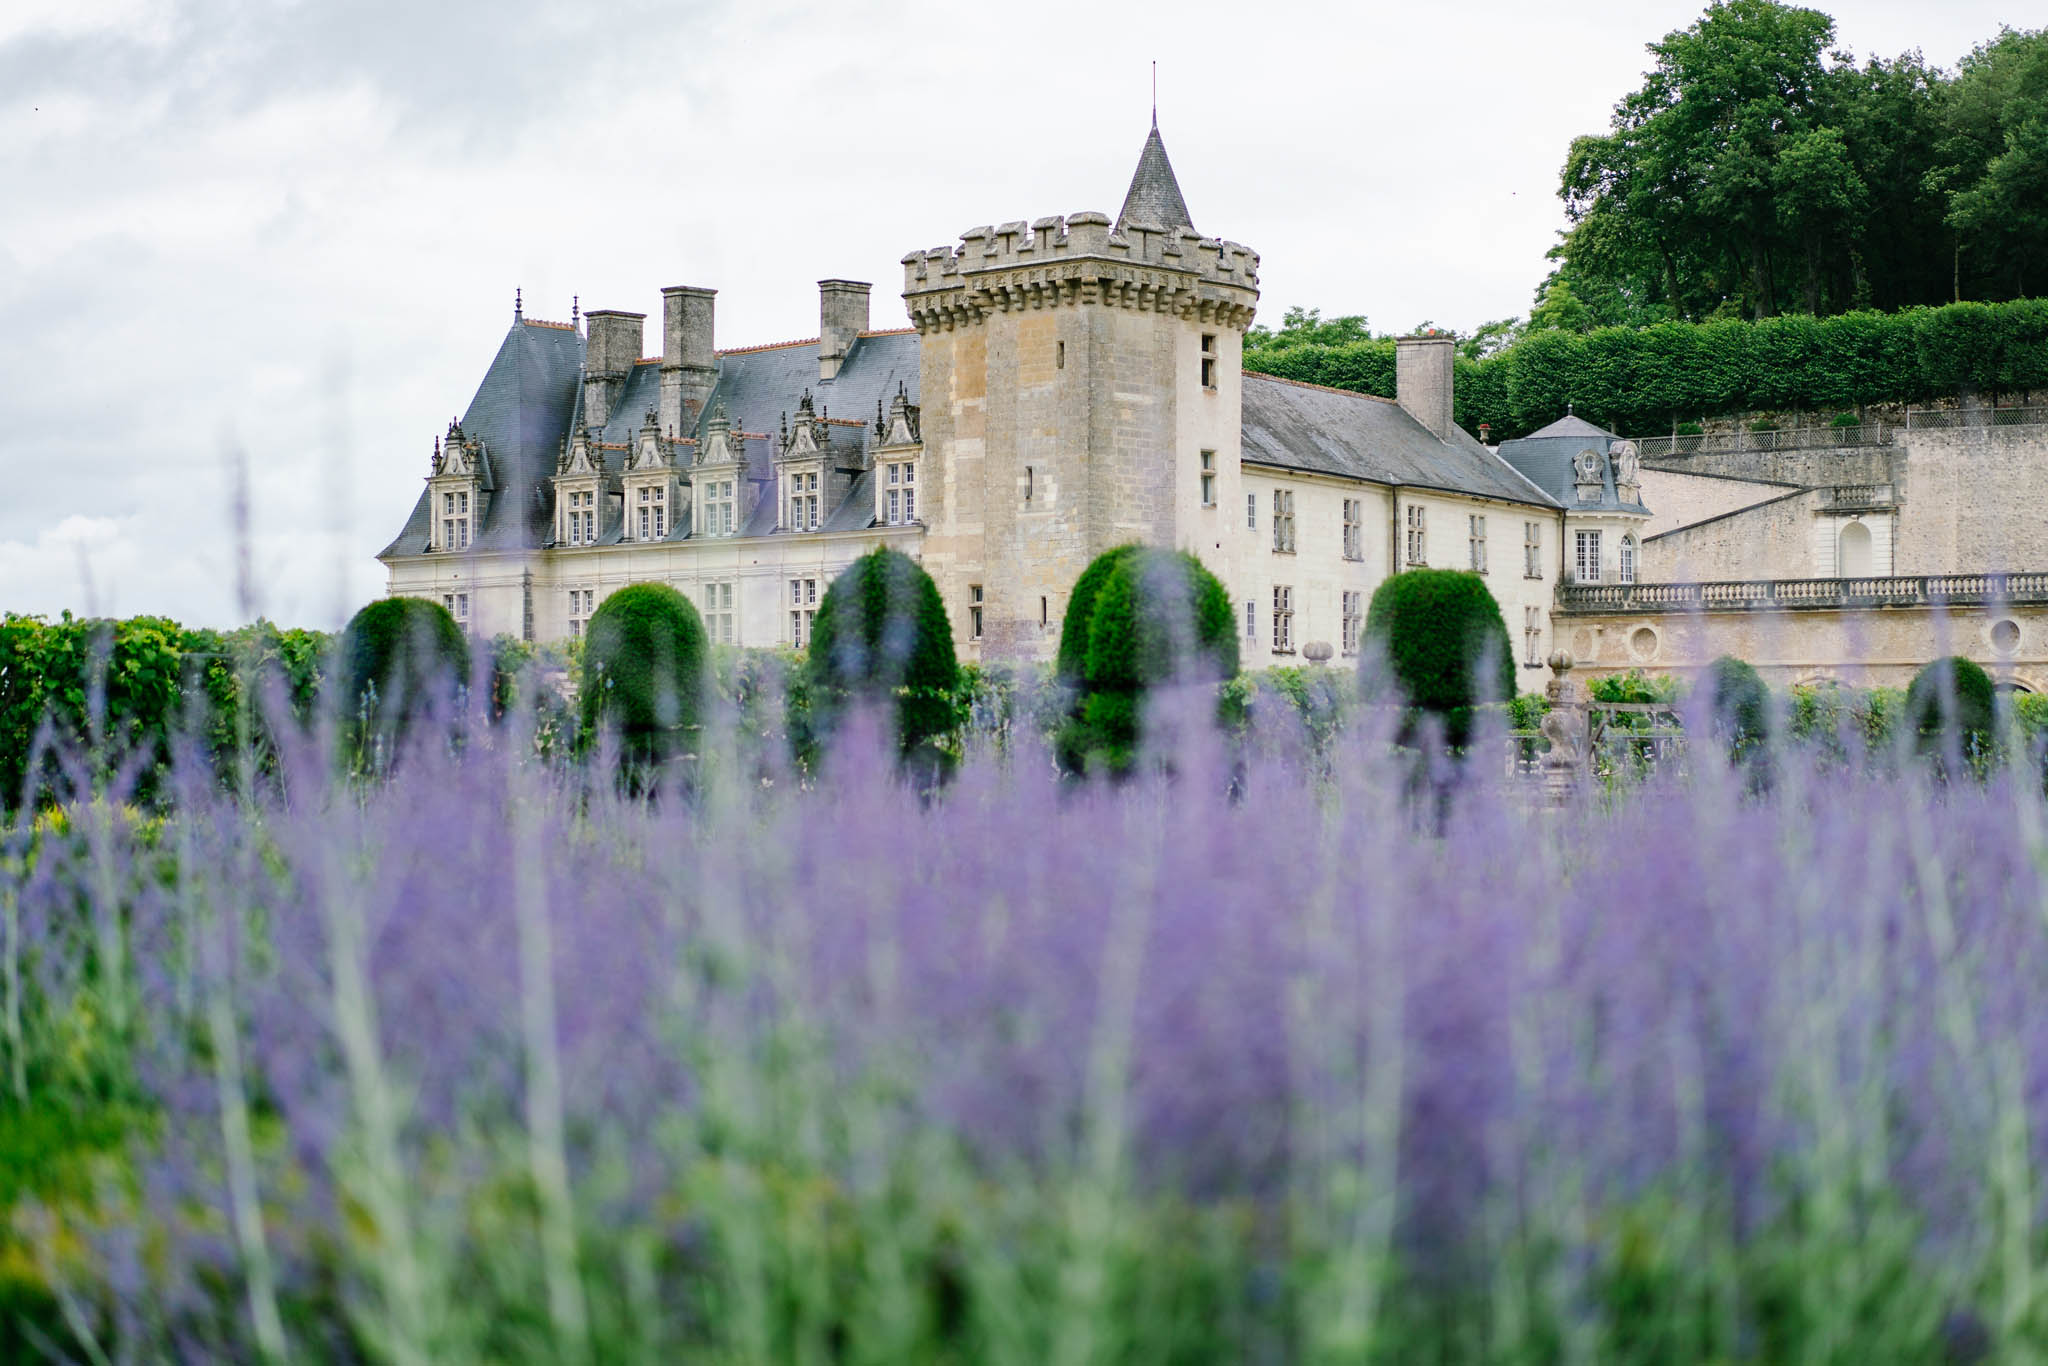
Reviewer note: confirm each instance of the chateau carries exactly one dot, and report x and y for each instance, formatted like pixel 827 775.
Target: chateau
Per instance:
pixel 1069 383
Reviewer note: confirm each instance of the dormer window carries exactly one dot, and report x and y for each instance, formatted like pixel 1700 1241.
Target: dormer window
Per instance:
pixel 899 493
pixel 455 519
pixel 800 501
pixel 652 510
pixel 721 508
pixel 579 517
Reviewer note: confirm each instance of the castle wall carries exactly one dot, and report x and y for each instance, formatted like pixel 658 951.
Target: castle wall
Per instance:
pixel 1864 647
pixel 1973 499
pixel 1680 498
pixel 1767 541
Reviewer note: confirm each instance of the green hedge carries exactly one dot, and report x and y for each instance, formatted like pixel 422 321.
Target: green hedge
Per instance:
pixel 397 656
pixel 1138 618
pixel 1436 630
pixel 882 636
pixel 643 670
pixel 150 673
pixel 1639 380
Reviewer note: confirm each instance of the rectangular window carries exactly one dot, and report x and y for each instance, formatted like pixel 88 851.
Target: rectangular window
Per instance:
pixel 1588 562
pixel 1208 479
pixel 1208 360
pixel 1030 482
pixel 1354 619
pixel 718 614
pixel 974 611
pixel 1061 362
pixel 462 607
pixel 1354 529
pixel 1478 538
pixel 899 502
pixel 1044 613
pixel 1283 620
pixel 1532 635
pixel 1283 521
pixel 1251 619
pixel 581 602
pixel 1628 559
pixel 1418 534
pixel 660 514
pixel 1251 511
pixel 1532 550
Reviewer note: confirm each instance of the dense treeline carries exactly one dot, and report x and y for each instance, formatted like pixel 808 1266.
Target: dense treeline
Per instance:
pixel 1642 380
pixel 1760 171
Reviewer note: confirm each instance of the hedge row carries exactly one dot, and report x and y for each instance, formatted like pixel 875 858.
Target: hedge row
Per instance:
pixel 1641 380
pixel 144 676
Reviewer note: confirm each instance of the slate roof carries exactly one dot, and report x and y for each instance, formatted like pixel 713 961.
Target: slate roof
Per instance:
pixel 1154 195
pixel 521 411
pixel 531 399
pixel 1545 458
pixel 1334 431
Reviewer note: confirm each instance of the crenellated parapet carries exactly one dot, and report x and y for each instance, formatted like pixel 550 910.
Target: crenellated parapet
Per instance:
pixel 1083 258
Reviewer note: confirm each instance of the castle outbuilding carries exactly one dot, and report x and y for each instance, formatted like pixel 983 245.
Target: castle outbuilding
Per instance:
pixel 1068 383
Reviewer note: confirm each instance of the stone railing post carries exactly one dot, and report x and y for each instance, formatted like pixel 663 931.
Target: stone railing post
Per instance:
pixel 1565 726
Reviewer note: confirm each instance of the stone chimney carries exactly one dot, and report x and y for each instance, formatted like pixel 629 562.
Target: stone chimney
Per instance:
pixel 1422 380
pixel 689 358
pixel 608 356
pixel 842 317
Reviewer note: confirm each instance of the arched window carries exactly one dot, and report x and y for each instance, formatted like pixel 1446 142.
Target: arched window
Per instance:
pixel 1628 559
pixel 1852 554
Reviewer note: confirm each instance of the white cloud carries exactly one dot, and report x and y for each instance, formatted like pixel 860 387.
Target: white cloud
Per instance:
pixel 303 224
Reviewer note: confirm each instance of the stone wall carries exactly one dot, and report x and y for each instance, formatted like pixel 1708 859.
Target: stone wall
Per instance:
pixel 1677 499
pixel 1766 541
pixel 1973 499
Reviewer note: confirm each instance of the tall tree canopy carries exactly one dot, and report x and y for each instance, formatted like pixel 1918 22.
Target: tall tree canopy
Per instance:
pixel 1758 170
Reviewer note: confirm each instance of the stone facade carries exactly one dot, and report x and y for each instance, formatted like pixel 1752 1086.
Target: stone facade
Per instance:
pixel 1068 384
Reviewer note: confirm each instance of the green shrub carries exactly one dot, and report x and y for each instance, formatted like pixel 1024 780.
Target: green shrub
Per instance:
pixel 1846 420
pixel 1688 429
pixel 1151 617
pixel 1445 644
pixel 1633 686
pixel 882 637
pixel 1737 704
pixel 1952 697
pixel 398 654
pixel 1763 424
pixel 644 654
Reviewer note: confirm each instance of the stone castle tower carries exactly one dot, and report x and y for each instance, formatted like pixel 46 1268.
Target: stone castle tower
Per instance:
pixel 1079 378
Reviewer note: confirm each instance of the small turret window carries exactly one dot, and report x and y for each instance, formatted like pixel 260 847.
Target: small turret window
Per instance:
pixel 1208 360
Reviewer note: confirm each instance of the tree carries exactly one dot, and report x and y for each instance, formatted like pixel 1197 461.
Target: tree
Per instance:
pixel 1952 705
pixel 644 652
pixel 1995 161
pixel 1441 636
pixel 882 637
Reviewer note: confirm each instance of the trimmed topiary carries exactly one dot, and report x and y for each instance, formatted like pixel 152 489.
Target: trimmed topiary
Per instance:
pixel 644 652
pixel 1444 642
pixel 1072 668
pixel 1738 704
pixel 398 655
pixel 1149 617
pixel 1952 696
pixel 882 636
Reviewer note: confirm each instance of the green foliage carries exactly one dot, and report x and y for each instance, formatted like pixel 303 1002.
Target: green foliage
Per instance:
pixel 1737 704
pixel 643 671
pixel 1641 379
pixel 397 656
pixel 1953 702
pixel 133 682
pixel 1148 617
pixel 1445 643
pixel 882 637
pixel 1526 711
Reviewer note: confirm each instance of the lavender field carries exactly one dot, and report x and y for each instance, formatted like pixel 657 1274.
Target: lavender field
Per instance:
pixel 1279 1052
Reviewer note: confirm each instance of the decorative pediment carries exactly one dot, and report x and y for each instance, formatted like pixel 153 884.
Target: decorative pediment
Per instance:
pixel 809 434
pixel 650 452
pixel 1588 474
pixel 577 457
pixel 898 424
pixel 724 443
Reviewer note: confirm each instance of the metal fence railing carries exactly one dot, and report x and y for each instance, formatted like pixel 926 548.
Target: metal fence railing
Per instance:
pixel 1741 442
pixel 1937 419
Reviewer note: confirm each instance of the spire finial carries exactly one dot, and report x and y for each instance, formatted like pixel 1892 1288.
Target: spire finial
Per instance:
pixel 1569 407
pixel 1155 95
pixel 518 308
pixel 575 309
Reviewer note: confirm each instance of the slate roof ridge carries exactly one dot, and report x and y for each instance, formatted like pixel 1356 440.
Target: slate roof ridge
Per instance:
pixel 887 332
pixel 542 322
pixel 1326 388
pixel 769 346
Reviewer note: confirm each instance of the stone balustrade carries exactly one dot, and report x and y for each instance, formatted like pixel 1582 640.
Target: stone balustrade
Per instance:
pixel 1915 590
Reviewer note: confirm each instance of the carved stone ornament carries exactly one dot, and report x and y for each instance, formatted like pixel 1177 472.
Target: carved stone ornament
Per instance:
pixel 1626 462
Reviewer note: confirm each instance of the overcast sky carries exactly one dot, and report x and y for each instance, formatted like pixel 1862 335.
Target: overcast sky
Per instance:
pixel 293 230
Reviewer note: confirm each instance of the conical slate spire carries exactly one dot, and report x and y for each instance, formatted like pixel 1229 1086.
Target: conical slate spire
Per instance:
pixel 1155 194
